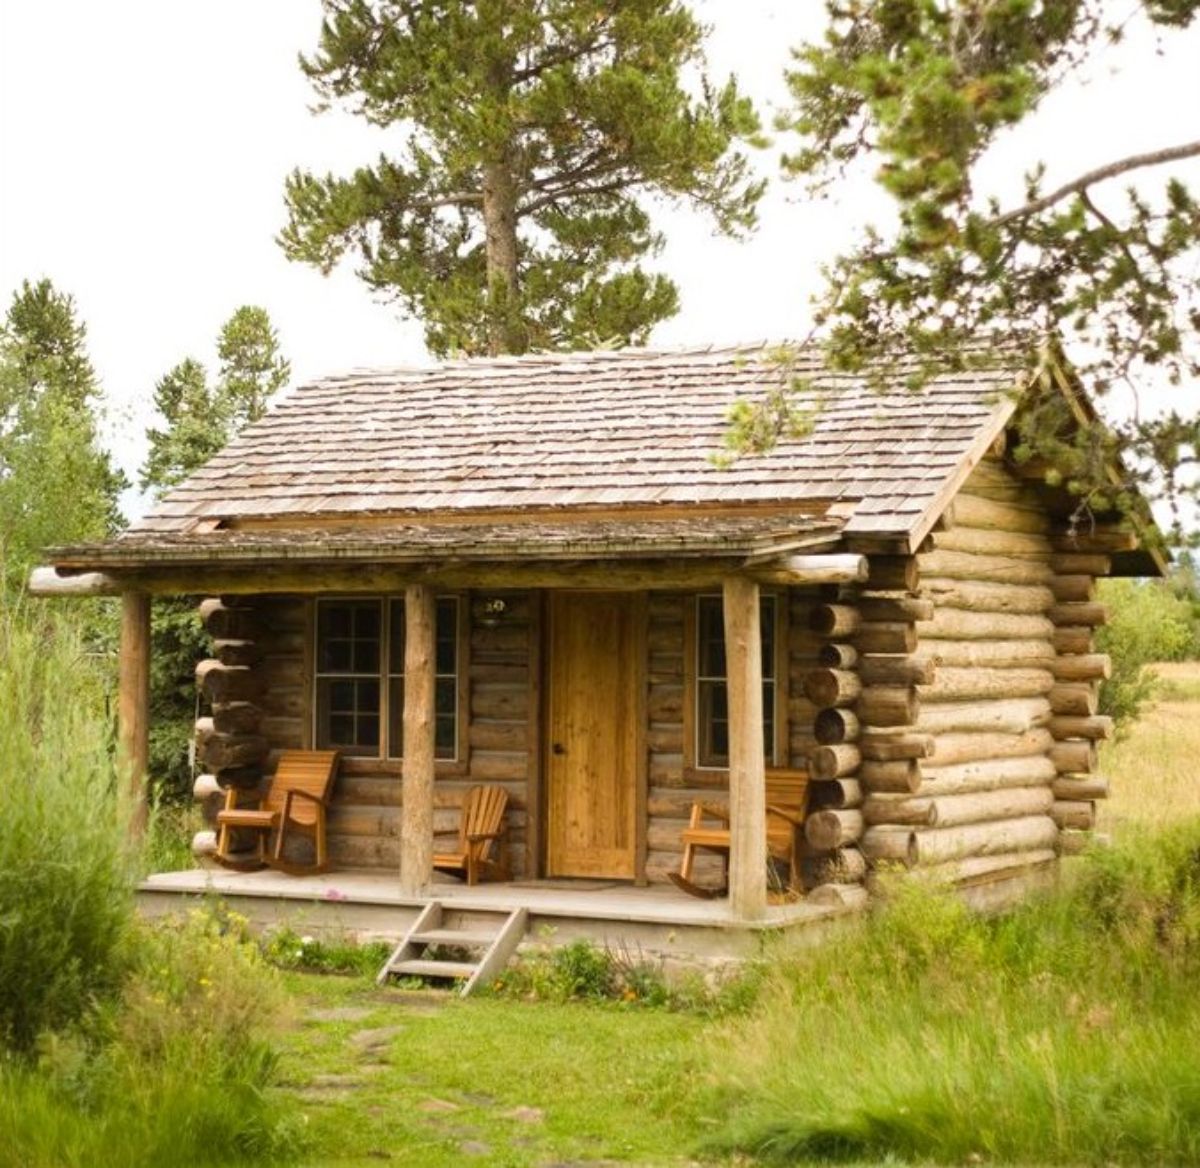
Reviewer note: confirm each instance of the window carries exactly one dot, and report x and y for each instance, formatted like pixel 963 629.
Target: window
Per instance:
pixel 712 695
pixel 360 685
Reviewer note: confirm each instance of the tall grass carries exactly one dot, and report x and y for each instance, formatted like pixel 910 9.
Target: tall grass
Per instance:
pixel 65 867
pixel 1064 1032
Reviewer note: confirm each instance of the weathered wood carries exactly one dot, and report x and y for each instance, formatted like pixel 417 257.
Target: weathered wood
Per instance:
pixel 835 621
pixel 892 573
pixel 1012 716
pixel 947 565
pixel 992 654
pixel 888 705
pixel 991 514
pixel 1074 756
pixel 997 837
pixel 224 752
pixel 1079 814
pixel 204 847
pixel 972 596
pixel 500 702
pixel 1096 539
pixel 898 809
pixel 488 735
pixel 890 747
pixel 896 608
pixel 244 778
pixel 831 895
pixel 843 866
pixel 1077 698
pixel 990 543
pixel 832 828
pixel 886 637
pixel 1073 588
pixel 981 806
pixel 1081 563
pixel 836 793
pixel 890 844
pixel 832 687
pixel 1079 612
pixel 225 622
pixel 956 684
pixel 133 705
pixel 978 870
pixel 958 624
pixel 47 581
pixel 1093 726
pixel 1089 787
pixel 950 749
pixel 1072 639
pixel 416 832
pixel 901 777
pixel 831 762
pixel 987 774
pixel 231 652
pixel 840 568
pixel 747 763
pixel 831 727
pixel 875 669
pixel 1082 667
pixel 228 683
pixel 837 656
pixel 236 718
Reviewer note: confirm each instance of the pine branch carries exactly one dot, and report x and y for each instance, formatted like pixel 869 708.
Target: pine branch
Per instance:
pixel 1101 174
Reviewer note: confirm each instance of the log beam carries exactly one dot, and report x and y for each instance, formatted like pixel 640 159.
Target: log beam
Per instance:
pixel 416 834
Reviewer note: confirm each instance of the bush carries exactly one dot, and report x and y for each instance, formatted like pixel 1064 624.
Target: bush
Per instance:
pixel 287 949
pixel 66 872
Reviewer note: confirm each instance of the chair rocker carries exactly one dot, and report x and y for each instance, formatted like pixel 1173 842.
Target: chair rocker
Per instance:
pixel 478 849
pixel 295 802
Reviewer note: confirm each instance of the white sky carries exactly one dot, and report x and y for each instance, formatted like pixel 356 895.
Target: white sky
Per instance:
pixel 143 148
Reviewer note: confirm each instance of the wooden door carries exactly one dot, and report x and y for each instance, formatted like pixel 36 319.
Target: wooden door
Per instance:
pixel 593 736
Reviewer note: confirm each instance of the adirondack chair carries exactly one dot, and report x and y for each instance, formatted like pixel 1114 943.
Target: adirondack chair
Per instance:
pixel 708 830
pixel 295 802
pixel 479 831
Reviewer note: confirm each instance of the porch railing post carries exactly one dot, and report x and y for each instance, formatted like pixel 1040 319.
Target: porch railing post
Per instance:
pixel 133 704
pixel 747 761
pixel 416 832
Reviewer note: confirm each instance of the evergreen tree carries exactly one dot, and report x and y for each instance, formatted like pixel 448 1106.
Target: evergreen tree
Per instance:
pixel 919 90
pixel 513 217
pixel 57 484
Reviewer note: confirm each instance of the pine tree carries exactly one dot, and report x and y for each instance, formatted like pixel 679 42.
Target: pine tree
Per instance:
pixel 57 484
pixel 514 215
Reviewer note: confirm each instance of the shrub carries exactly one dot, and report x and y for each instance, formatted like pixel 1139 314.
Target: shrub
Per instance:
pixel 289 950
pixel 65 867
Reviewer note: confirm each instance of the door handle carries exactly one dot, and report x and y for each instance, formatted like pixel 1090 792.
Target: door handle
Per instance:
pixel 558 748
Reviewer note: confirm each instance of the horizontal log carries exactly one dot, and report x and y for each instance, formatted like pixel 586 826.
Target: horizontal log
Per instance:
pixel 971 596
pixel 896 608
pixel 1074 756
pixel 848 896
pixel 940 844
pixel 664 703
pixel 1081 563
pixel 1079 814
pixel 890 844
pixel 990 543
pixel 223 752
pixel 1072 639
pixel 236 718
pixel 987 774
pixel 898 809
pixel 233 652
pixel 831 828
pixel 876 669
pixel 888 705
pixel 495 765
pixel 1078 698
pixel 225 622
pixel 831 762
pixel 1033 654
pixel 1012 716
pixel 981 806
pixel 842 866
pixel 491 735
pixel 1079 612
pixel 837 656
pixel 1073 588
pixel 1077 787
pixel 227 683
pixel 1093 726
pixel 832 687
pixel 1082 667
pixel 977 870
pixel 836 793
pixel 900 777
pixel 892 573
pixel 956 624
pixel 665 738
pixel 990 514
pixel 499 702
pixel 988 569
pixel 951 749
pixel 204 845
pixel 891 747
pixel 831 727
pixel 1096 539
pixel 840 568
pixel 957 684
pixel 886 637
pixel 836 621
pixel 206 787
pixel 48 581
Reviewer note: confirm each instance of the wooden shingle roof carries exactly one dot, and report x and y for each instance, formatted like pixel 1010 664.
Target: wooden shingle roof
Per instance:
pixel 629 431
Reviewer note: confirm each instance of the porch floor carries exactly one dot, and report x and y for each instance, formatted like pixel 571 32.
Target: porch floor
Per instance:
pixel 658 919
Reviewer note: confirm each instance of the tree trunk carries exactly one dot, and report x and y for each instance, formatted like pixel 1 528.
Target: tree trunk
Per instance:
pixel 500 227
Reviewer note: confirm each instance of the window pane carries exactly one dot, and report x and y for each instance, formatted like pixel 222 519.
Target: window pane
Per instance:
pixel 368 730
pixel 341 696
pixel 714 724
pixel 341 730
pixel 334 621
pixel 711 629
pixel 366 656
pixel 366 621
pixel 445 736
pixel 396 717
pixel 336 656
pixel 396 643
pixel 766 618
pixel 769 722
pixel 447 637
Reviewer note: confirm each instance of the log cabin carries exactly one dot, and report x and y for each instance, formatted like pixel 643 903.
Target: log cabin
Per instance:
pixel 533 572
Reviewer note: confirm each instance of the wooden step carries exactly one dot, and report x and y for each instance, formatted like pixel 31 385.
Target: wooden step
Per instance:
pixel 418 968
pixel 466 938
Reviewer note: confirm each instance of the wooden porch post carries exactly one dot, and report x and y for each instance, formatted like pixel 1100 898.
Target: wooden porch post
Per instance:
pixel 416 832
pixel 133 703
pixel 747 763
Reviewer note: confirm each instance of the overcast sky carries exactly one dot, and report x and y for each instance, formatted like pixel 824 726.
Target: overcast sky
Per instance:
pixel 143 148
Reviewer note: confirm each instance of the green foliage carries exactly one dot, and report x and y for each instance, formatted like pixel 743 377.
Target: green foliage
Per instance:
pixel 510 219
pixel 178 641
pixel 56 483
pixel 920 90
pixel 65 872
pixel 1059 1033
pixel 288 949
pixel 1148 622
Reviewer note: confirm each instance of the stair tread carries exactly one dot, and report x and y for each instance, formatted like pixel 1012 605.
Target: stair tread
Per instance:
pixel 418 968
pixel 453 937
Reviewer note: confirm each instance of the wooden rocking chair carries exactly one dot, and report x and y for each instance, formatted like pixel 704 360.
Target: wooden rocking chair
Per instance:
pixel 787 802
pixel 295 801
pixel 479 831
